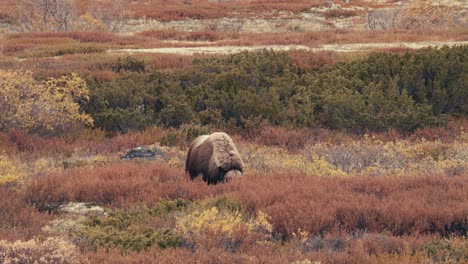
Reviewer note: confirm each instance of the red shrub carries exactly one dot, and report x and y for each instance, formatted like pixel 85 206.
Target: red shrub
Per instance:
pixel 291 139
pixel 205 35
pixel 122 184
pixel 19 221
pixel 313 60
pixel 169 61
pixel 333 13
pixel 97 37
pixel 417 205
pixel 39 146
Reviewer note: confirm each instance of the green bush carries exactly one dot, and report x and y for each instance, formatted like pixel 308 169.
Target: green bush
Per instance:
pixel 245 90
pixel 134 230
pixel 142 228
pixel 129 64
pixel 184 136
pixel 447 251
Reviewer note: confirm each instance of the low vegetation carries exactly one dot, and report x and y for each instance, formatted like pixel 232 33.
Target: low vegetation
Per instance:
pixel 248 90
pixel 318 195
pixel 355 157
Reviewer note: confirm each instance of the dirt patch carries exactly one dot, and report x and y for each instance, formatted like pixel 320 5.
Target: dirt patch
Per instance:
pixel 211 50
pixel 330 47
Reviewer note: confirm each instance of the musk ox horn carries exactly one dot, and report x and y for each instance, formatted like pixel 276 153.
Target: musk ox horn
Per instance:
pixel 215 157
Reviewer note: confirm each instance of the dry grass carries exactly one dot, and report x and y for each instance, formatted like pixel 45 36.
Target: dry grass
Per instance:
pixel 308 38
pixel 204 9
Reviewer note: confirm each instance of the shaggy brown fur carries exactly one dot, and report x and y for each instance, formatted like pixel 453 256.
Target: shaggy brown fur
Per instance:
pixel 215 157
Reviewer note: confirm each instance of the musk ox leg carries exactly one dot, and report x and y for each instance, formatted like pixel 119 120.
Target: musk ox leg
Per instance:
pixel 193 174
pixel 221 175
pixel 213 176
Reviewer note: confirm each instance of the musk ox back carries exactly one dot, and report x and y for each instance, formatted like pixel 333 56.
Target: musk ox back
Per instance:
pixel 215 157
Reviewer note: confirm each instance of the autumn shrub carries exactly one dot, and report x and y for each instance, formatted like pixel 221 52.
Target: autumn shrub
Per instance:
pixel 15 46
pixel 214 225
pixel 36 145
pixel 80 143
pixel 307 61
pixel 291 139
pixel 326 205
pixel 217 223
pixel 183 35
pixel 364 249
pixel 135 229
pixel 19 221
pixel 60 50
pixel 11 171
pixel 211 10
pixel 50 250
pixel 53 105
pixel 360 158
pixel 118 185
pixel 416 15
pixel 318 205
pixel 169 61
pixel 453 250
pixel 278 159
pixel 338 13
pixel 325 154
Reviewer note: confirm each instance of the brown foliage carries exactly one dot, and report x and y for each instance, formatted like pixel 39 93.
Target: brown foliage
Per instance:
pixel 205 9
pixel 8 10
pixel 123 184
pixel 85 141
pixel 205 35
pixel 333 13
pixel 98 37
pixel 291 139
pixel 307 61
pixel 446 134
pixel 19 221
pixel 37 145
pixel 366 248
pixel 417 205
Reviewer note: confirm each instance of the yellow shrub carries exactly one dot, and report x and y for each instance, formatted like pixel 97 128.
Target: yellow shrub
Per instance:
pixel 44 166
pixel 453 167
pixel 278 159
pixel 10 171
pixel 320 166
pixel 52 250
pixel 88 22
pixel 214 227
pixel 51 105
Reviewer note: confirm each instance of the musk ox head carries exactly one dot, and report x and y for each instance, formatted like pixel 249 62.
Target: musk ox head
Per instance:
pixel 215 157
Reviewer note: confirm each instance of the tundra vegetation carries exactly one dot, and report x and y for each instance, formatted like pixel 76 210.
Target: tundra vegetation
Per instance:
pixel 355 157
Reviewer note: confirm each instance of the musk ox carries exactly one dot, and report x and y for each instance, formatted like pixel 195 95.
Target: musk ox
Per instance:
pixel 215 157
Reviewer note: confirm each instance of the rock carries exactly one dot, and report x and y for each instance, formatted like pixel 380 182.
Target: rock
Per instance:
pixel 142 152
pixel 81 209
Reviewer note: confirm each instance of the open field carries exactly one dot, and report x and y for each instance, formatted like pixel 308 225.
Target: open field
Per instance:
pixel 350 117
